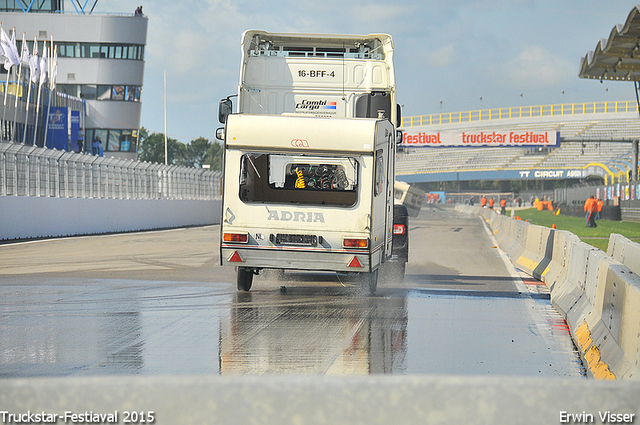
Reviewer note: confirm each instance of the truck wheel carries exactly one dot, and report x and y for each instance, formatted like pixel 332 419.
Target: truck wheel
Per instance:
pixel 244 279
pixel 369 282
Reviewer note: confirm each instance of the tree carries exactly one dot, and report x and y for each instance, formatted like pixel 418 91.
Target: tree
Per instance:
pixel 197 151
pixel 214 156
pixel 151 148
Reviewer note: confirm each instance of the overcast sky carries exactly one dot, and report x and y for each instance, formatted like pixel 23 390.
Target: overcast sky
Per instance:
pixel 450 55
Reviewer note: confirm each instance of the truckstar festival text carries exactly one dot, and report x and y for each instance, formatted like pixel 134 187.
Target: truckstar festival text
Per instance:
pixel 441 139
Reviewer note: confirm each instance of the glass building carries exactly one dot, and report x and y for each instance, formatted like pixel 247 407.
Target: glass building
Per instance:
pixel 100 60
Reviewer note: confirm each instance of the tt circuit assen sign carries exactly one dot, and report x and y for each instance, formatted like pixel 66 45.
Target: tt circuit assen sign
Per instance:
pixel 412 139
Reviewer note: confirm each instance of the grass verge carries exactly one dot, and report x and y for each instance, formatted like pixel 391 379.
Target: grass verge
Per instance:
pixel 598 237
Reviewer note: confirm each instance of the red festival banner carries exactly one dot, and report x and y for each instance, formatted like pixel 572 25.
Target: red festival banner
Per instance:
pixel 412 139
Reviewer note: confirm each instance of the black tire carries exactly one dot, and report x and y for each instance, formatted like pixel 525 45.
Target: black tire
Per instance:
pixel 244 279
pixel 369 282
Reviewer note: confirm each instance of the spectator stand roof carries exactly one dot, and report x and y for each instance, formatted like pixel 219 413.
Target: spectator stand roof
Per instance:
pixel 616 57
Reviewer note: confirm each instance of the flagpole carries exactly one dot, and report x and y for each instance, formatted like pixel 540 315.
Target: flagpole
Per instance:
pixel 18 87
pixel 6 89
pixel 4 112
pixel 43 73
pixel 31 82
pixel 166 145
pixel 46 121
pixel 26 115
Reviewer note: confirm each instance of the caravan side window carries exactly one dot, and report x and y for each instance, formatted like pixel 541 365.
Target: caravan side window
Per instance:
pixel 379 173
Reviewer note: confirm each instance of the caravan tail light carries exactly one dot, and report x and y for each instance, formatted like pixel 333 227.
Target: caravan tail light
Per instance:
pixel 355 243
pixel 399 229
pixel 236 237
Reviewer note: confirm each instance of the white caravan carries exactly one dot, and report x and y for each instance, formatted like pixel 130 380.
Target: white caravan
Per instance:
pixel 307 194
pixel 310 156
pixel 409 196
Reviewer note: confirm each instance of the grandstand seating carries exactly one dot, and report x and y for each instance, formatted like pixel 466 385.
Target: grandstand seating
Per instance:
pixel 586 140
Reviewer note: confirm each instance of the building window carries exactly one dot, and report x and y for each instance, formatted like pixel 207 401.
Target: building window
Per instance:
pixel 87 91
pixel 68 49
pixel 96 50
pixel 43 6
pixel 114 140
pixel 117 93
pixel 102 92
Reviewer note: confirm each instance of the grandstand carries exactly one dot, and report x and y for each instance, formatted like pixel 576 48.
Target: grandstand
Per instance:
pixel 594 137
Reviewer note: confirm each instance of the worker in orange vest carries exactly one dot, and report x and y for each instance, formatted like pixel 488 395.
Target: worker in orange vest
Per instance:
pixel 483 201
pixel 491 202
pixel 591 206
pixel 599 205
pixel 503 206
pixel 586 209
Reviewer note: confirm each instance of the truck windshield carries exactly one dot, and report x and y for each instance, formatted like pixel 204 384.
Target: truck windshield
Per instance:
pixel 314 180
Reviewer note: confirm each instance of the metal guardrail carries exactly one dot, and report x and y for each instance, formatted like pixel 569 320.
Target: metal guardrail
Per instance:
pixel 563 109
pixel 33 171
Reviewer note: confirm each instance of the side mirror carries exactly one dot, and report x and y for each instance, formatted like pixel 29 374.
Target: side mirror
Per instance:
pixel 399 137
pixel 225 108
pixel 398 115
pixel 220 133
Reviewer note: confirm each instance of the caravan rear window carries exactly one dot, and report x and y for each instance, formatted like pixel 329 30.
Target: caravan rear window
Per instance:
pixel 274 178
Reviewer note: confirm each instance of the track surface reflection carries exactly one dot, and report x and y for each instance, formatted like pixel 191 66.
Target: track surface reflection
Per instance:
pixel 157 303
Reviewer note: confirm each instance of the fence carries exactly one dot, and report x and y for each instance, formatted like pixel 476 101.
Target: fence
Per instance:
pixel 34 171
pixel 522 112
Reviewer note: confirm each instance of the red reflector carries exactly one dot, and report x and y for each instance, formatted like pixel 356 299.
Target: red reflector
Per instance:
pixel 235 237
pixel 354 263
pixel 398 229
pixel 235 257
pixel 355 243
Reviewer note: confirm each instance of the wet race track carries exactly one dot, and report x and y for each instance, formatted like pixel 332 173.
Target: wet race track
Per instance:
pixel 158 303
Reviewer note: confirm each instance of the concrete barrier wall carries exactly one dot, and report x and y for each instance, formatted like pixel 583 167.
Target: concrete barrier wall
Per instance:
pixel 597 292
pixel 342 400
pixel 625 251
pixel 25 217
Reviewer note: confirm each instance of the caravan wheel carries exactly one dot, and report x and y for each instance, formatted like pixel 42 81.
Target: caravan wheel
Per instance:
pixel 244 279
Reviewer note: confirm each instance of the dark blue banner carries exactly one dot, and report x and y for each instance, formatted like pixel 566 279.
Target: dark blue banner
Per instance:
pixel 75 131
pixel 57 131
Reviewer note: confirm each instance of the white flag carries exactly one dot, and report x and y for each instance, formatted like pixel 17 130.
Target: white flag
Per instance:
pixel 34 62
pixel 43 66
pixel 25 56
pixel 9 49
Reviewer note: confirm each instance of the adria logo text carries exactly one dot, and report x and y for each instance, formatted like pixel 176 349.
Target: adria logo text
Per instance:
pixel 299 143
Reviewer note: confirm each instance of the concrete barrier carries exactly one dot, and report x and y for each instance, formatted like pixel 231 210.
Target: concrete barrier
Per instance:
pixel 418 399
pixel 598 293
pixel 557 269
pixel 625 251
pixel 574 294
pixel 26 217
pixel 609 336
pixel 538 248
